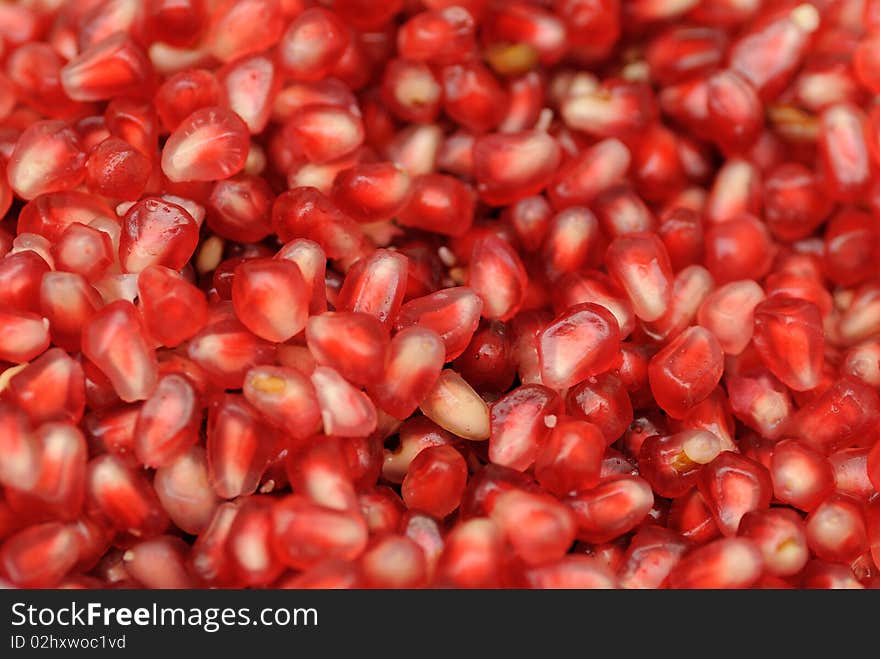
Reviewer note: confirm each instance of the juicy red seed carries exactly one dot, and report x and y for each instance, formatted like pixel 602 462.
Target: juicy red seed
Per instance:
pixel 208 145
pixel 435 481
pixel 156 232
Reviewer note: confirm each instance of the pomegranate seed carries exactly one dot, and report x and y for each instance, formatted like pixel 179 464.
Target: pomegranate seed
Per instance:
pixel 250 543
pixel 511 166
pixel 604 402
pixel 472 555
pixel 672 464
pixel 124 498
pixel 305 533
pixel 159 563
pixel 835 529
pixel 270 297
pixel 115 341
pixel 570 460
pixel 167 424
pixel 733 485
pixel 435 481
pixel 371 192
pixel 519 425
pixel 285 397
pixel 578 344
pixel 346 411
pixel 728 312
pixel 238 447
pixel 394 562
pixel 781 537
pixel 761 402
pixel 115 66
pixel 312 44
pixel 846 162
pixel 355 344
pixel 539 528
pixel 415 359
pixel 208 145
pixel 789 338
pixel 40 555
pixel 156 232
pixel 48 157
pixel 685 371
pixel 651 556
pixel 184 488
pixel 51 388
pixel 616 506
pixel 725 563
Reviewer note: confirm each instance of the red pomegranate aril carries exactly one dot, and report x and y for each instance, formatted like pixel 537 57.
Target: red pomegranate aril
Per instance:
pixel 210 144
pixel 435 481
pixel 168 422
pixel 226 349
pixel 769 54
pixel 115 66
pixel 794 201
pixel 250 543
pixel 271 298
pixel 671 464
pixel 789 338
pixel 415 359
pixel 173 309
pixel 640 264
pixel 238 446
pixel 159 563
pixel 510 166
pixel 572 241
pixel 651 556
pixel 123 497
pixel 854 469
pixel 248 87
pixel 115 341
pixel 734 109
pixel 615 506
pixel 570 459
pixel 68 302
pixel 497 275
pixel 728 312
pixel 519 425
pixel 472 556
pixel 733 485
pixel 761 402
pixel 616 108
pixel 852 241
pixel 285 397
pixel 184 93
pixel 739 248
pixel 236 29
pixel 326 132
pixel 40 556
pixel 582 342
pixel 452 313
pixel 781 536
pixel 48 157
pixel 689 289
pixel 593 170
pixel 843 149
pixel 156 232
pixel 440 204
pixel 84 250
pixel 411 91
pixel 371 192
pixel 240 208
pixel 473 97
pixel 59 491
pixel 685 371
pixel 184 489
pixel 539 528
pixel 210 560
pixel 346 411
pixel 801 477
pixel 355 344
pixel 305 533
pixel 51 388
pixel 831 576
pixel 836 529
pixel 21 275
pixel 394 562
pixel 312 44
pixel 443 36
pixel 23 336
pixel 604 402
pixel 726 563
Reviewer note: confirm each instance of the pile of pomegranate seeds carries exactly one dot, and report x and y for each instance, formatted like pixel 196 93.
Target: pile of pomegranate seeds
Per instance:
pixel 424 293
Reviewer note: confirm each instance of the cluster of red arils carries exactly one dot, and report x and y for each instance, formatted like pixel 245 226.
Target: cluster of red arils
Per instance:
pixel 560 293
